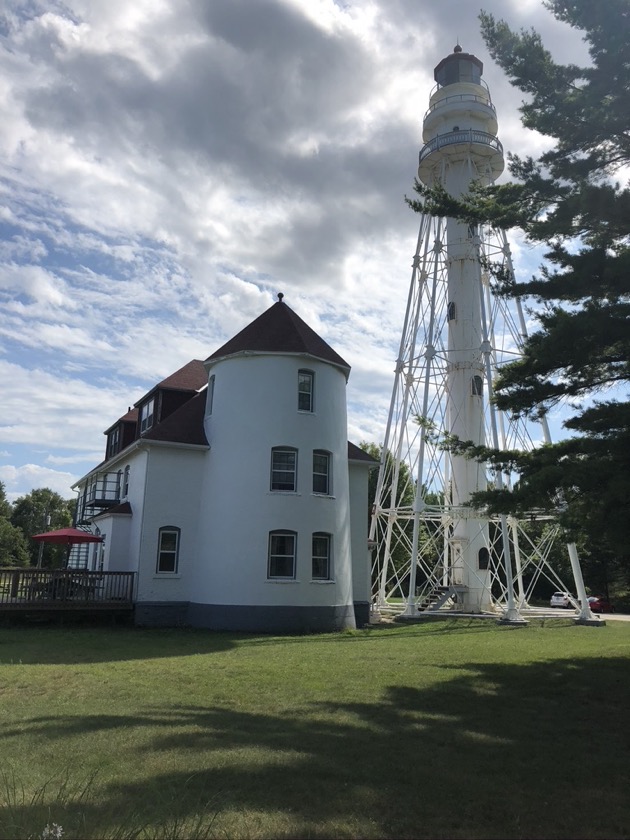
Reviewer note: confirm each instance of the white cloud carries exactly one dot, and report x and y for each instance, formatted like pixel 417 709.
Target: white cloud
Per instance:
pixel 167 168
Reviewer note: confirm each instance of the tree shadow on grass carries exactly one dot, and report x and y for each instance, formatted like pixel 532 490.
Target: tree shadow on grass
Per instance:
pixel 65 646
pixel 491 750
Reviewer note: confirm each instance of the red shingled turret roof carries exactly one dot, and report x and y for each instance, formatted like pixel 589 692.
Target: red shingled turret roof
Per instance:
pixel 280 330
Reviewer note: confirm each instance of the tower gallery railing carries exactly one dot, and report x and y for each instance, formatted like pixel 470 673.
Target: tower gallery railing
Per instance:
pixel 461 97
pixel 470 135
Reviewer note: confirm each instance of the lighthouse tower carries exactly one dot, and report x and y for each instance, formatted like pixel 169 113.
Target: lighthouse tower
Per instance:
pixel 432 549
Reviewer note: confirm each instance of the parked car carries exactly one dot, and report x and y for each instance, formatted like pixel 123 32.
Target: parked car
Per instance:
pixel 561 599
pixel 600 604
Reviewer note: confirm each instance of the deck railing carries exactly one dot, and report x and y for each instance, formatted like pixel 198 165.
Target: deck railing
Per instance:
pixel 65 589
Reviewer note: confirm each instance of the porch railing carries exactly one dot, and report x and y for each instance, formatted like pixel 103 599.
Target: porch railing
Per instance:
pixel 65 589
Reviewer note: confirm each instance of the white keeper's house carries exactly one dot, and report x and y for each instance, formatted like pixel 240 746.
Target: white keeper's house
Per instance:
pixel 232 492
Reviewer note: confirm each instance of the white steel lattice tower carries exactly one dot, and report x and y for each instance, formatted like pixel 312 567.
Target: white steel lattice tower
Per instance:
pixel 432 550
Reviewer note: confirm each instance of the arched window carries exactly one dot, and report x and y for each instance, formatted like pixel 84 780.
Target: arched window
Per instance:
pixel 483 558
pixel 284 469
pixel 451 310
pixel 168 550
pixel 322 556
pixel 476 386
pixel 282 553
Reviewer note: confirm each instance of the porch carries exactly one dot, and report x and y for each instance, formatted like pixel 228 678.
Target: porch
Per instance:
pixel 30 590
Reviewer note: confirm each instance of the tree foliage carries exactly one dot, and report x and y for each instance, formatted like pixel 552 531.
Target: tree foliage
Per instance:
pixel 13 545
pixel 568 201
pixel 38 511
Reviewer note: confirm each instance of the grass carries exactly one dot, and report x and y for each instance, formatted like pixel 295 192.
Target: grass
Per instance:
pixel 454 729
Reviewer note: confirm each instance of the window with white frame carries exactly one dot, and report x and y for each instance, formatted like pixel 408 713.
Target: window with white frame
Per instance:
pixel 321 472
pixel 113 442
pixel 284 469
pixel 119 478
pixel 321 569
pixel 125 486
pixel 146 416
pixel 306 382
pixel 168 550
pixel 281 560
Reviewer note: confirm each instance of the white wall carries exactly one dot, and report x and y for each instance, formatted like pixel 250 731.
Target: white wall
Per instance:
pixel 173 488
pixel 255 409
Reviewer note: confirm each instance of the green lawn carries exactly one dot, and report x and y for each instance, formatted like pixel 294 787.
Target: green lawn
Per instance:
pixel 450 729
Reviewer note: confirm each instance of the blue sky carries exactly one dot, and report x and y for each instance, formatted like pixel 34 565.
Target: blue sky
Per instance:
pixel 167 167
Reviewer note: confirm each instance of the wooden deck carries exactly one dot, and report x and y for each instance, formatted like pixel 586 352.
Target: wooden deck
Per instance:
pixel 30 590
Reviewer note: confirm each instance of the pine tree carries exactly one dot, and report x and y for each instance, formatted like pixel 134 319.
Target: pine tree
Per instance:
pixel 568 201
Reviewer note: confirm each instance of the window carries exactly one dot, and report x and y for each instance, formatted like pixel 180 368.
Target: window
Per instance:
pixel 321 472
pixel 306 379
pixel 168 551
pixel 281 562
pixel 113 442
pixel 451 311
pixel 146 416
pixel 119 476
pixel 125 487
pixel 210 398
pixel 476 386
pixel 483 558
pixel 321 556
pixel 284 469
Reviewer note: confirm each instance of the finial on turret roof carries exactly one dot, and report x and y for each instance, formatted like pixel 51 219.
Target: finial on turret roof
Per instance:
pixel 457 48
pixel 280 296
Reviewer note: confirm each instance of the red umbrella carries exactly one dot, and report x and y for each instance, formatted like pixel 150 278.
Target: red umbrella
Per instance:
pixel 67 536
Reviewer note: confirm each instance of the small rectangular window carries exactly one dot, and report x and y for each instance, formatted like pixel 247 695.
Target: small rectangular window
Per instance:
pixel 146 416
pixel 113 442
pixel 321 556
pixel 305 390
pixel 281 561
pixel 210 398
pixel 125 487
pixel 168 551
pixel 284 469
pixel 321 472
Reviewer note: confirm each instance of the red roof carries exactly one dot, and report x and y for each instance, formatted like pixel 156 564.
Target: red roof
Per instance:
pixel 191 377
pixel 280 330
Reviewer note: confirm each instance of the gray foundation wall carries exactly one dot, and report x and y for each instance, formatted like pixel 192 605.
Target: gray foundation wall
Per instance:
pixel 161 614
pixel 247 619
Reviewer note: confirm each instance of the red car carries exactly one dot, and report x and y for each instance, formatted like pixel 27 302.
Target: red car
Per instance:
pixel 600 604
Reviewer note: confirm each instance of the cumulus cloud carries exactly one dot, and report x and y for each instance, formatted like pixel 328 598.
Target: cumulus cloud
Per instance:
pixel 167 168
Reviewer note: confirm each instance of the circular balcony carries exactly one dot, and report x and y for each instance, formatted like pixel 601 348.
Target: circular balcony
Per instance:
pixel 461 97
pixel 469 136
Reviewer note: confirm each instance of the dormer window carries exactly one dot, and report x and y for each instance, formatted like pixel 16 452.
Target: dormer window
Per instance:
pixel 146 416
pixel 113 442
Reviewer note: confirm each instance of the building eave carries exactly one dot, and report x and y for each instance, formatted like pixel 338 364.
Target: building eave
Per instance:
pixel 209 363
